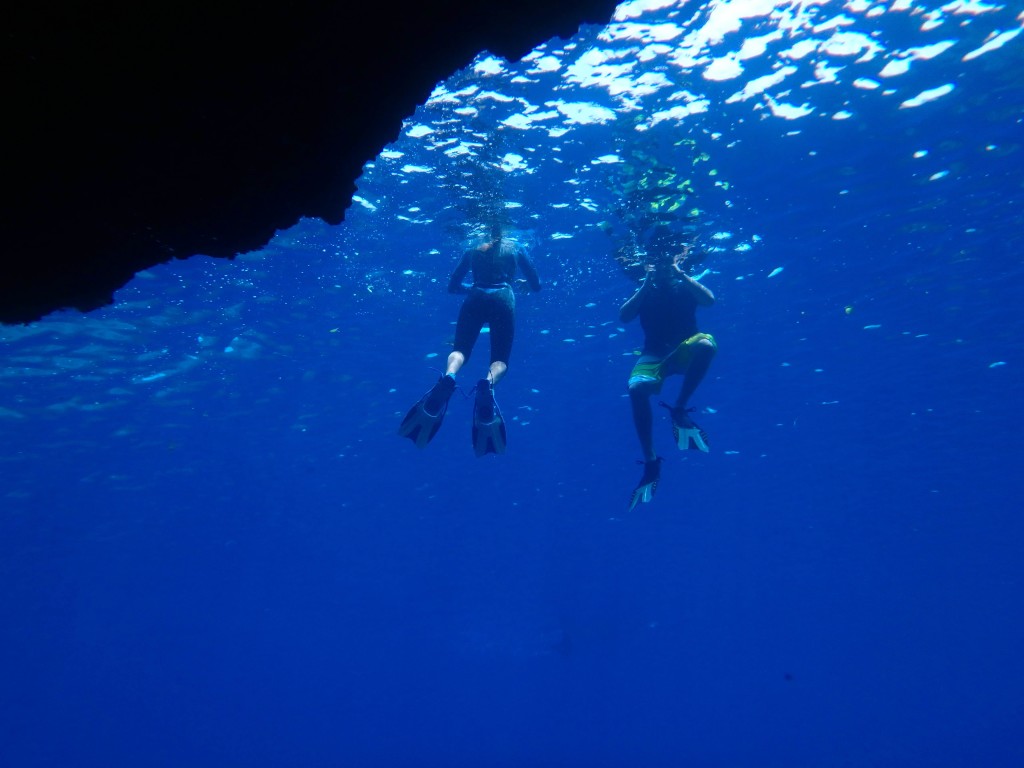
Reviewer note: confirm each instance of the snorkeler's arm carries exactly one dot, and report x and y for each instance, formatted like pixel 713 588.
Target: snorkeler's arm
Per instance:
pixel 462 268
pixel 528 270
pixel 703 296
pixel 631 308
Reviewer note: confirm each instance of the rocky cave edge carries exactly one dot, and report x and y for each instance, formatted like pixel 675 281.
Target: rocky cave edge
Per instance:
pixel 134 135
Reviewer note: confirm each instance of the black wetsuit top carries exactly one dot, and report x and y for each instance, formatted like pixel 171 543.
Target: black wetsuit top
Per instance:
pixel 490 298
pixel 494 266
pixel 668 316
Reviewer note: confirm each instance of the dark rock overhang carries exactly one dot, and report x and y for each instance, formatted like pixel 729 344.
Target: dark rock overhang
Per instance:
pixel 139 133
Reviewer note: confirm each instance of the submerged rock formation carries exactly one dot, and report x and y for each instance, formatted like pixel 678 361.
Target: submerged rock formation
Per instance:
pixel 136 134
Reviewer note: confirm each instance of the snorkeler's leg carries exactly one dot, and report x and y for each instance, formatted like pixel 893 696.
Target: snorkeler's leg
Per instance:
pixel 455 361
pixel 502 321
pixel 686 433
pixel 467 331
pixel 702 355
pixel 644 381
pixel 496 371
pixel 639 397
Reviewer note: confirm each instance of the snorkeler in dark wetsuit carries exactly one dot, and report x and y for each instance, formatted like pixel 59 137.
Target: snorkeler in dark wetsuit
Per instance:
pixel 490 300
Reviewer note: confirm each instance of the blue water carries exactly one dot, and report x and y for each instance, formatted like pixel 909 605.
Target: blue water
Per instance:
pixel 216 551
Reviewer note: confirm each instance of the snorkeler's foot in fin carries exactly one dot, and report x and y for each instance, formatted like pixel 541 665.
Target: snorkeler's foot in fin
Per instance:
pixel 687 434
pixel 488 426
pixel 644 491
pixel 424 419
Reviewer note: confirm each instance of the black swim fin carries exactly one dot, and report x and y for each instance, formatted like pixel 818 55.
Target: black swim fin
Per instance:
pixel 424 419
pixel 488 425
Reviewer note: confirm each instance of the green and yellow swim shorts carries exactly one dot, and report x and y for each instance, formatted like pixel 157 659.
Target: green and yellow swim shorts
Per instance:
pixel 657 369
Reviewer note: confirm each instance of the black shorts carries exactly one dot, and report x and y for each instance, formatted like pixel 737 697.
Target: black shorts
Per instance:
pixel 497 308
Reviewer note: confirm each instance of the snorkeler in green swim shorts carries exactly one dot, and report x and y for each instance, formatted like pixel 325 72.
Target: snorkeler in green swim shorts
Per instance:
pixel 666 303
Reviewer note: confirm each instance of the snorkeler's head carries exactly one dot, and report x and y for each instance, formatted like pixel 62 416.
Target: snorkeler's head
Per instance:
pixel 666 250
pixel 662 238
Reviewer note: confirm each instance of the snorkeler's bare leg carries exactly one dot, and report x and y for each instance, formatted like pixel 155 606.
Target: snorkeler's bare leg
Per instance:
pixel 703 354
pixel 639 398
pixel 455 362
pixel 496 371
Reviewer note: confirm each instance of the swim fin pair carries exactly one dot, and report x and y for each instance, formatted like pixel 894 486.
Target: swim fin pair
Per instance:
pixel 687 435
pixel 424 419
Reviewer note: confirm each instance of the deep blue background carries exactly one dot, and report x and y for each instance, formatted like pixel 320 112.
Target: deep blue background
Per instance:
pixel 240 563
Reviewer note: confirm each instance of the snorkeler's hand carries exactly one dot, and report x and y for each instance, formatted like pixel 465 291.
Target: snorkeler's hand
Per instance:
pixel 522 286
